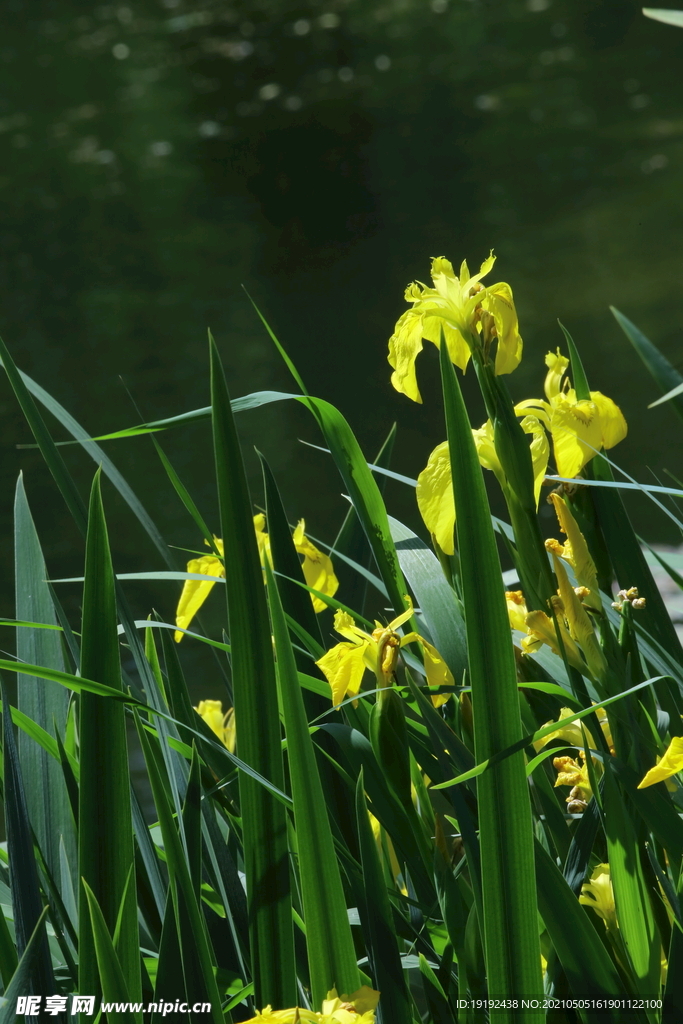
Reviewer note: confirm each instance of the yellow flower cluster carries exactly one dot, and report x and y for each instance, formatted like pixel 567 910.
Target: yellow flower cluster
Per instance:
pixel 579 429
pixel 317 569
pixel 572 628
pixel 358 1008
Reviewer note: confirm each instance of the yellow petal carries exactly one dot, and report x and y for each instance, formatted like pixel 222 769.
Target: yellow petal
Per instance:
pixel 612 423
pixel 445 281
pixel 486 450
pixel 670 764
pixel 230 730
pixel 346 626
pixel 364 999
pixel 437 672
pixel 517 609
pixel 485 268
pixel 580 625
pixel 599 895
pixel 343 667
pixel 195 592
pixel 434 322
pixel 212 713
pixel 405 345
pixel 540 451
pixel 570 733
pixel 403 617
pixel 541 630
pixel 317 567
pixel 557 367
pixel 499 301
pixel 435 498
pixel 262 539
pixel 576 431
pixel 576 552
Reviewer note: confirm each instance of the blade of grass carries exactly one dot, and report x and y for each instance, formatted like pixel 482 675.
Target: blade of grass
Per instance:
pixel 179 873
pixel 351 541
pixel 666 376
pixel 436 599
pixel 44 704
pixel 378 926
pixel 25 389
pixel 115 985
pixel 506 833
pixel 256 709
pixel 27 904
pixel 24 971
pixel 106 856
pixel 331 953
pixel 634 912
pixel 588 967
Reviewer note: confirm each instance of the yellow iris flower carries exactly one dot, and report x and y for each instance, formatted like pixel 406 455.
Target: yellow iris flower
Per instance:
pixel 222 724
pixel 670 764
pixel 598 894
pixel 345 664
pixel 435 489
pixel 578 428
pixel 358 1008
pixel 573 623
pixel 462 308
pixel 572 734
pixel 317 569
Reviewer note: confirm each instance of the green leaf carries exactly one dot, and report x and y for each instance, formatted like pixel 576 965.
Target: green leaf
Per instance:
pixel 331 953
pixel 106 857
pixel 634 912
pixel 8 952
pixel 23 973
pixel 584 959
pixel 255 693
pixel 351 543
pixel 364 493
pixel 27 904
pixel 663 14
pixel 667 376
pixel 436 599
pixel 506 835
pixel 179 871
pixel 25 388
pixel 43 703
pixel 379 930
pixel 439 1011
pixel 628 560
pixel 115 985
pixel 285 561
pixel 578 373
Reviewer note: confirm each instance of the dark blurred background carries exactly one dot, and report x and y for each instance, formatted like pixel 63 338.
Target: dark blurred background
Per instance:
pixel 158 155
